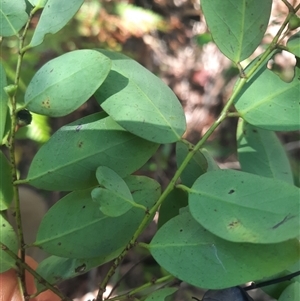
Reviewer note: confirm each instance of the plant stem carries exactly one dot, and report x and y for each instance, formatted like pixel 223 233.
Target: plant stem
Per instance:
pixel 143 287
pixel 40 279
pixel 11 147
pixel 223 115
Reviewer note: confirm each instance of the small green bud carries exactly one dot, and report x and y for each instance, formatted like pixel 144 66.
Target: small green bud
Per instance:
pixel 10 89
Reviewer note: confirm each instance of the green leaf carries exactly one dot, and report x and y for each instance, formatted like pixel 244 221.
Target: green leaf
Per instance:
pixel 237 27
pixel 293 44
pixel 171 206
pixel 12 17
pixel 3 102
pixel 113 195
pixel 9 238
pixel 56 269
pixel 38 3
pixel 54 17
pixel 68 161
pixel 260 152
pixel 197 166
pixel 291 293
pixel 191 253
pixel 160 295
pixel 140 102
pixel 66 82
pixel 39 129
pixel 270 103
pixel 243 207
pixel 6 187
pixel 76 218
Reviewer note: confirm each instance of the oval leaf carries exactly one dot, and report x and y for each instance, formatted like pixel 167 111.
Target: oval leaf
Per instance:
pixel 65 83
pixel 242 207
pixel 56 14
pixel 140 102
pixel 9 238
pixel 68 161
pixel 237 27
pixel 76 218
pixel 270 103
pixel 260 152
pixel 113 195
pixel 6 187
pixel 293 44
pixel 191 253
pixel 12 17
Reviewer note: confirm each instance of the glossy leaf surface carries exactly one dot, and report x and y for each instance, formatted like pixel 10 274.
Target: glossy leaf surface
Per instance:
pixel 65 83
pixel 260 152
pixel 113 195
pixel 140 102
pixel 68 161
pixel 76 218
pixel 192 254
pixel 293 44
pixel 270 103
pixel 243 207
pixel 237 27
pixel 3 102
pixel 12 17
pixel 9 238
pixel 6 186
pixel 55 15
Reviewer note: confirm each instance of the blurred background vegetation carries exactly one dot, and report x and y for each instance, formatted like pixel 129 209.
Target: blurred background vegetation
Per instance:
pixel 170 38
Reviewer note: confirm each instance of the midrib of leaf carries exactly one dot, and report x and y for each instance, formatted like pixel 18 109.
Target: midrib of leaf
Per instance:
pixel 10 24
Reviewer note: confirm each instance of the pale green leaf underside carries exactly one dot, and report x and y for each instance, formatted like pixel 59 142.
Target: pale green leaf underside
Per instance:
pixel 270 103
pixel 260 152
pixel 191 253
pixel 66 82
pixel 246 207
pixel 12 17
pixel 68 161
pixel 140 102
pixel 237 27
pixel 161 294
pixel 56 14
pixel 291 293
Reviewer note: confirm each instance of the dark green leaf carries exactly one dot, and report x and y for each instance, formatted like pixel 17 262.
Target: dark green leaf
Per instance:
pixel 140 102
pixel 191 253
pixel 75 227
pixel 228 294
pixel 243 207
pixel 3 102
pixel 6 186
pixel 175 200
pixel 9 238
pixel 260 152
pixel 12 17
pixel 237 27
pixel 68 161
pixel 291 293
pixel 65 83
pixel 56 14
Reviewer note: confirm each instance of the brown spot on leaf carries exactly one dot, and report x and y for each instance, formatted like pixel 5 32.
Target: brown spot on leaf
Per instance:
pixel 80 144
pixel 233 224
pixel 46 103
pixel 231 191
